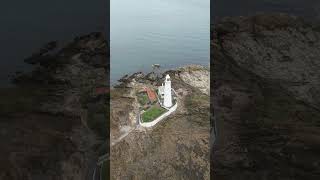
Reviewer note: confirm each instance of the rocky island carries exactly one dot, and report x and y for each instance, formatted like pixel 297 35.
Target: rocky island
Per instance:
pixel 175 148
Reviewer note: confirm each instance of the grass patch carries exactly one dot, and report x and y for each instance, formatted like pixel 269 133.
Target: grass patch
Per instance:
pixel 152 113
pixel 143 98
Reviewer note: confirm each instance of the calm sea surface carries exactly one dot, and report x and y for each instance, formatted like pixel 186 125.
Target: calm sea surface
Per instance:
pixel 171 33
pixel 168 32
pixel 27 25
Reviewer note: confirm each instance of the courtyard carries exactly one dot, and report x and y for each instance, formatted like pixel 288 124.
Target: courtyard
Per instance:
pixel 152 113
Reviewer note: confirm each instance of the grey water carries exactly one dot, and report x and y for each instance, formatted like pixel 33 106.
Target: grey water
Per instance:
pixel 171 33
pixel 28 25
pixel 309 9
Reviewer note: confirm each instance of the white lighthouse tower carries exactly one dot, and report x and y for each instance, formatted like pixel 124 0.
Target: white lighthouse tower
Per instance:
pixel 167 92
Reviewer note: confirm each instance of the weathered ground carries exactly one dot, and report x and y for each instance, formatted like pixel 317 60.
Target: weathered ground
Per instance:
pixel 266 98
pixel 52 124
pixel 177 147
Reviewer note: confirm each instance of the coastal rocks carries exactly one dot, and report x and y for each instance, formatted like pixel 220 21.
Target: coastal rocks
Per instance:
pixel 43 54
pixel 50 119
pixel 138 76
pixel 176 148
pixel 265 98
pixel 152 76
pixel 196 76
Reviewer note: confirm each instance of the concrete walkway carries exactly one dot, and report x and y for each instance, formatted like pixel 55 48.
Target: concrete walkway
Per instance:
pixel 158 119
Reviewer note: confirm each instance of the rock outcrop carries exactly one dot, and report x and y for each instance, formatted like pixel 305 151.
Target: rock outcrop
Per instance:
pixel 265 94
pixel 53 123
pixel 175 148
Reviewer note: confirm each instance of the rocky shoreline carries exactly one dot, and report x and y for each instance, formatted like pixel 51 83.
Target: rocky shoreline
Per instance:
pixel 265 94
pixel 54 122
pixel 183 136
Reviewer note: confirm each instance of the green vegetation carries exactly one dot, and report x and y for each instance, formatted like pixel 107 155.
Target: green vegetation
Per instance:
pixel 152 113
pixel 143 98
pixel 105 171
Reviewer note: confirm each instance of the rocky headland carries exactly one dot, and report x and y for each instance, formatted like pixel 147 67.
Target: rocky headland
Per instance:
pixel 265 94
pixel 175 148
pixel 54 122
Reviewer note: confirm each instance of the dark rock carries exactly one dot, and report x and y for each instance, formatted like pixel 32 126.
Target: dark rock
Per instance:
pixel 137 75
pixel 152 76
pixel 264 110
pixel 98 61
pixel 124 78
pixel 42 55
pixel 50 117
pixel 49 46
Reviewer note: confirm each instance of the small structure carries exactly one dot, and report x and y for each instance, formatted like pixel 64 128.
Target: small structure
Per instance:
pixel 146 97
pixel 153 113
pixel 151 95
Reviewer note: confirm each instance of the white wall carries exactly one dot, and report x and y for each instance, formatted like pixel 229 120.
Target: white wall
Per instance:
pixel 158 119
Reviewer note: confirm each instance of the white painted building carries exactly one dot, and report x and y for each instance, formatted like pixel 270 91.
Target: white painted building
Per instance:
pixel 167 101
pixel 165 93
pixel 165 97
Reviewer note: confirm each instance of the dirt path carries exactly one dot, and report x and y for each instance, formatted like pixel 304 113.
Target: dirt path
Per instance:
pixel 114 142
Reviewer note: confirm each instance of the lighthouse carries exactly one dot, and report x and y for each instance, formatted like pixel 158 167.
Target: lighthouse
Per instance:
pixel 167 92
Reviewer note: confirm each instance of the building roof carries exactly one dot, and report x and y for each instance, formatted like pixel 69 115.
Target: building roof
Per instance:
pixel 151 94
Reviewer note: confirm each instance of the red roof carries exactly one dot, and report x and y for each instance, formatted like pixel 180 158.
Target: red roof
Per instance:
pixel 151 94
